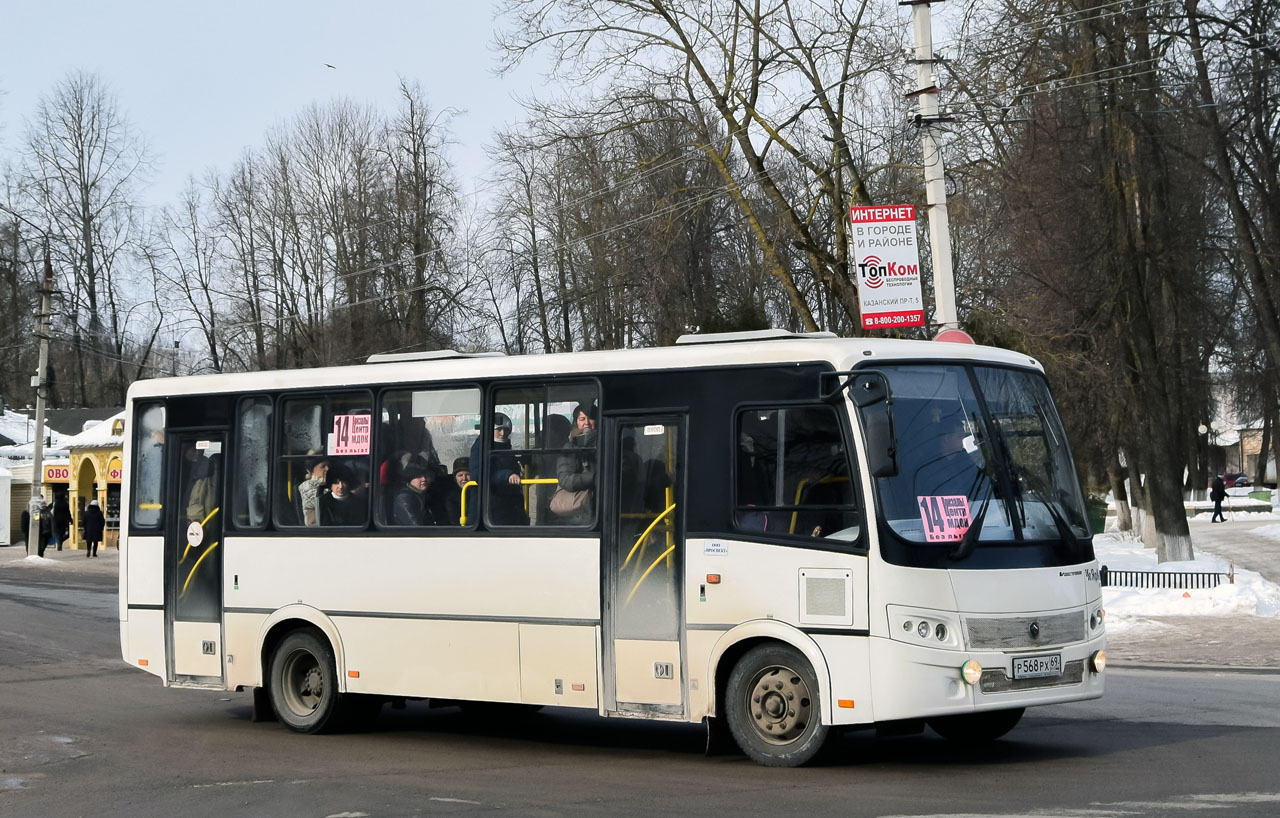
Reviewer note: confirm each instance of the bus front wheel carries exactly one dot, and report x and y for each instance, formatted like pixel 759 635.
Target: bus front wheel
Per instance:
pixel 987 726
pixel 304 682
pixel 772 707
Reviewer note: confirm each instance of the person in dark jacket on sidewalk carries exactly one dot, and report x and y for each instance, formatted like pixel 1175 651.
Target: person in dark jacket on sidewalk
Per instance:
pixel 1217 494
pixel 46 527
pixel 94 524
pixel 61 520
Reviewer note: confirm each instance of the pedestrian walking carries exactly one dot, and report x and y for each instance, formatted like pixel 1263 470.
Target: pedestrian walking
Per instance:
pixel 45 530
pixel 1217 494
pixel 61 520
pixel 94 523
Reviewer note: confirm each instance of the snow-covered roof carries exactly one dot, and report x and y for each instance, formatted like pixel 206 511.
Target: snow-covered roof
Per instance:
pixel 21 429
pixel 100 435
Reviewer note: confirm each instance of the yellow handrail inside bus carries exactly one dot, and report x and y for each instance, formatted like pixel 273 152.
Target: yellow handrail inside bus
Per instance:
pixel 800 490
pixel 151 506
pixel 645 535
pixel 535 481
pixel 192 573
pixel 203 523
pixel 636 587
pixel 463 517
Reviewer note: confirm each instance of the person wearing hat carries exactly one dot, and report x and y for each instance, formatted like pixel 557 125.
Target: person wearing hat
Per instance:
pixel 505 497
pixel 309 489
pixel 453 493
pixel 339 505
pixel 410 506
pixel 93 523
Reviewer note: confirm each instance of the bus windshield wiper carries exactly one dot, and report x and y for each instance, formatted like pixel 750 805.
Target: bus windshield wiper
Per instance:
pixel 970 537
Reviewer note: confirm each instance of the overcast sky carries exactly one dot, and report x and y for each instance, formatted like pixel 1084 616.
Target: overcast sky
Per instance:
pixel 203 81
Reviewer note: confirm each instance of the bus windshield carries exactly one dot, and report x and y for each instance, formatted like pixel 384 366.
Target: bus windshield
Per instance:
pixel 979 446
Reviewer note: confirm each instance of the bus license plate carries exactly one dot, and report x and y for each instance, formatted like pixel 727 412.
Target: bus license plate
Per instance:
pixel 1035 667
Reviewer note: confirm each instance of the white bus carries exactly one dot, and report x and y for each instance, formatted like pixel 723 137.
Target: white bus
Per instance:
pixel 779 535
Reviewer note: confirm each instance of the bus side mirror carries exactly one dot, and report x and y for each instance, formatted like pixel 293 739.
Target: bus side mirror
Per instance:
pixel 870 393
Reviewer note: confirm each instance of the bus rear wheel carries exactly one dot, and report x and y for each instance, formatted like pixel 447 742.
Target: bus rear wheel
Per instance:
pixel 304 683
pixel 987 726
pixel 772 707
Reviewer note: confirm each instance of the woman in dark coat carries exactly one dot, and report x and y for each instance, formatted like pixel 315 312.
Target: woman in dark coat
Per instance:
pixel 94 523
pixel 575 472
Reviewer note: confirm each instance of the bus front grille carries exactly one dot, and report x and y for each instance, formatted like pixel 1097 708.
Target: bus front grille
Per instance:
pixel 1024 632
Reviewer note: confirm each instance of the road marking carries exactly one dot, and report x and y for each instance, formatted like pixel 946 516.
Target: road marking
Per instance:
pixel 454 801
pixel 1123 809
pixel 233 783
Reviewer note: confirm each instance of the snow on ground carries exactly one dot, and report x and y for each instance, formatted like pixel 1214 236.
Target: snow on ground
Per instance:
pixel 1270 531
pixel 1235 516
pixel 1125 607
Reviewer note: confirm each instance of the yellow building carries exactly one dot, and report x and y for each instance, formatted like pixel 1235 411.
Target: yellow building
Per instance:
pixel 94 472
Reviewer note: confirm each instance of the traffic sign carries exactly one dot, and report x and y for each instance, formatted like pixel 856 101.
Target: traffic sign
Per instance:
pixel 954 336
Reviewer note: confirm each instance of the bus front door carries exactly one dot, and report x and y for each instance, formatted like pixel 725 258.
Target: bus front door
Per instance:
pixel 644 558
pixel 193 562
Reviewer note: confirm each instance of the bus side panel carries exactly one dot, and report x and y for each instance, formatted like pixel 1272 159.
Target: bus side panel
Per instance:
pixel 759 581
pixel 435 658
pixel 849 662
pixel 242 631
pixel 142 639
pixel 558 665
pixel 699 645
pixel 909 681
pixel 144 571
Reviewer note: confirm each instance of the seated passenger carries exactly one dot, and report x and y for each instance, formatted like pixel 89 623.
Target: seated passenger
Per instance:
pixel 575 492
pixel 340 506
pixel 309 489
pixel 410 506
pixel 453 498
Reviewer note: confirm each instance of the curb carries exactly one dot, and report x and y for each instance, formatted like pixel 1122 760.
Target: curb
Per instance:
pixel 1258 670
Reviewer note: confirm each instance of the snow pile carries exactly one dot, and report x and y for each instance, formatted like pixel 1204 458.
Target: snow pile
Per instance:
pixel 1251 594
pixel 1269 531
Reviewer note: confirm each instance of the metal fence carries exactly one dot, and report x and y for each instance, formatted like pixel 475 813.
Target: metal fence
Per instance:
pixel 1166 579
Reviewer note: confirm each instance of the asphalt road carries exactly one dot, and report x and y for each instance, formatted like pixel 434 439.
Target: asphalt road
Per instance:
pixel 81 734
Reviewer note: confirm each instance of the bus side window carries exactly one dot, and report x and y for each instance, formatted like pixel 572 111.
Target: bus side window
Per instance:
pixel 543 456
pixel 148 485
pixel 793 475
pixel 425 437
pixel 249 480
pixel 324 439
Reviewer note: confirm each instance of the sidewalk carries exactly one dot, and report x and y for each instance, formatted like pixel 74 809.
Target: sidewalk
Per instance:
pixel 1203 642
pixel 1200 642
pixel 13 559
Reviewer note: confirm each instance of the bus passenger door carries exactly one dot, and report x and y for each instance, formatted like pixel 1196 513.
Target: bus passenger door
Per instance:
pixel 193 561
pixel 644 559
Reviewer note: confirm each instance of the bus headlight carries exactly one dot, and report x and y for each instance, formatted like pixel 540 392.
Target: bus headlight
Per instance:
pixel 927 628
pixel 1098 661
pixel 972 671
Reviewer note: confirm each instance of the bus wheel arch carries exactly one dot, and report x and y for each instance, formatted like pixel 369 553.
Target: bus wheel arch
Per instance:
pixel 735 644
pixel 297 617
pixel 790 665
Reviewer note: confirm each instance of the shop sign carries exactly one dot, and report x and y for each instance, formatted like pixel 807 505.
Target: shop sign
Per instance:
pixel 115 471
pixel 57 474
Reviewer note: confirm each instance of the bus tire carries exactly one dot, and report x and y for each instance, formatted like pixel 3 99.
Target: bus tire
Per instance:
pixel 980 727
pixel 304 683
pixel 772 706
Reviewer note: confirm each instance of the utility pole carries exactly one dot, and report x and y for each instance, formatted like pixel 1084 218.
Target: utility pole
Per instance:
pixel 38 381
pixel 935 185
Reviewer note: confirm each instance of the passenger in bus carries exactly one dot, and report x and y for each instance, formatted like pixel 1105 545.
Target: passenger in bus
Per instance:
pixel 574 501
pixel 310 489
pixel 453 499
pixel 506 498
pixel 339 505
pixel 410 506
pixel 201 489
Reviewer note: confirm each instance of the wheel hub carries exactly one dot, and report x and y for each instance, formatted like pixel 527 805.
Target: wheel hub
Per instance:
pixel 780 705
